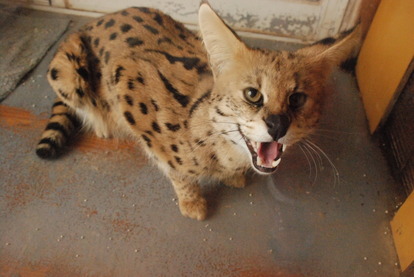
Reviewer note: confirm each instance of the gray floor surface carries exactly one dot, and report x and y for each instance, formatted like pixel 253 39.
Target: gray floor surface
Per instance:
pixel 100 211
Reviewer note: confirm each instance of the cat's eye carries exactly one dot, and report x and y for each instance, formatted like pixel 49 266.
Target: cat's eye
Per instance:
pixel 253 96
pixel 297 100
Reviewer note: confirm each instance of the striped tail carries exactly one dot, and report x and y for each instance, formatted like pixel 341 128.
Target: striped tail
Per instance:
pixel 61 125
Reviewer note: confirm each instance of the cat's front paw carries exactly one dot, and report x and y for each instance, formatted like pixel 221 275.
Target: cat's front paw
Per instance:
pixel 195 208
pixel 238 181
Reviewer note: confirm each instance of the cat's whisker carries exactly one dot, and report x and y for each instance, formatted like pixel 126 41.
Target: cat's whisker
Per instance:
pixel 307 158
pixel 314 163
pixel 335 170
pixel 317 155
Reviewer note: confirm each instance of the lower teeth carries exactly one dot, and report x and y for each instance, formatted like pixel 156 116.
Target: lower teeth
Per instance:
pixel 259 162
pixel 276 163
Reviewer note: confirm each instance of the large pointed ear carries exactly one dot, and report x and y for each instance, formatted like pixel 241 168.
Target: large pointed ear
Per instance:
pixel 332 52
pixel 221 43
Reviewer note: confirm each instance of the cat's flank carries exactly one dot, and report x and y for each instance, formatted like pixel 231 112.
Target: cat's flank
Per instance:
pixel 210 107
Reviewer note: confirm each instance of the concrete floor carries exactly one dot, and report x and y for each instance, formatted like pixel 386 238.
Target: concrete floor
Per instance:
pixel 103 210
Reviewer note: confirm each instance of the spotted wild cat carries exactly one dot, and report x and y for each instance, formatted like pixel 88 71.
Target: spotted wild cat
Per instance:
pixel 200 107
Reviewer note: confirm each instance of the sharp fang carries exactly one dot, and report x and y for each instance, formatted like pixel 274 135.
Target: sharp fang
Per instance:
pixel 259 161
pixel 276 163
pixel 284 147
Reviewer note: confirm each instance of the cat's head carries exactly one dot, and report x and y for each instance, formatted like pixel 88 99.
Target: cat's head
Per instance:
pixel 267 100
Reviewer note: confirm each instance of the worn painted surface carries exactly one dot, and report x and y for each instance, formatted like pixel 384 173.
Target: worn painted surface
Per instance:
pixel 306 20
pixel 103 210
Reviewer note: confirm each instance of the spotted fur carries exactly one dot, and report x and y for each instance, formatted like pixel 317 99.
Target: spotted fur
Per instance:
pixel 139 73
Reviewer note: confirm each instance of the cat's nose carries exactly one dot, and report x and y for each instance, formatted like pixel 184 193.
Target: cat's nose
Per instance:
pixel 277 125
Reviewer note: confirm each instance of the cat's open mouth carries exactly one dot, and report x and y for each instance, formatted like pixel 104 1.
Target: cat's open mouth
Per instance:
pixel 266 156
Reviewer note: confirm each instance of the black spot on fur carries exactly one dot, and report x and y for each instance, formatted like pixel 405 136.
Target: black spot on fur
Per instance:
pixel 83 73
pixel 192 172
pixel 94 102
pixel 59 103
pixel 154 104
pixel 138 18
pixel 181 98
pixel 124 13
pixel 186 124
pixel 107 57
pixel 71 118
pixel 71 57
pixel 195 162
pixel 143 9
pixel 199 101
pixel 125 28
pixel 113 36
pixel 101 51
pixel 118 73
pixel 219 112
pixel 178 160
pixel 129 100
pixel 179 27
pixel 173 127
pixel 164 39
pixel 174 148
pixel 147 140
pixel 188 62
pixel 134 41
pixel 144 110
pixel 213 157
pixel 158 19
pixel 129 117
pixel 96 42
pixel 140 79
pixel 54 73
pixel 110 23
pixel 200 142
pixel 171 164
pixel 86 40
pixel 151 29
pixel 56 126
pixel 80 92
pixel 131 85
pixel 99 23
pixel 156 127
pixel 63 94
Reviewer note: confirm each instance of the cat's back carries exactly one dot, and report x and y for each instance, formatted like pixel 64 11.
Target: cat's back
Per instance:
pixel 147 34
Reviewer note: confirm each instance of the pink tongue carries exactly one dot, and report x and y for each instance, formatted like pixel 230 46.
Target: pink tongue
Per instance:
pixel 268 151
